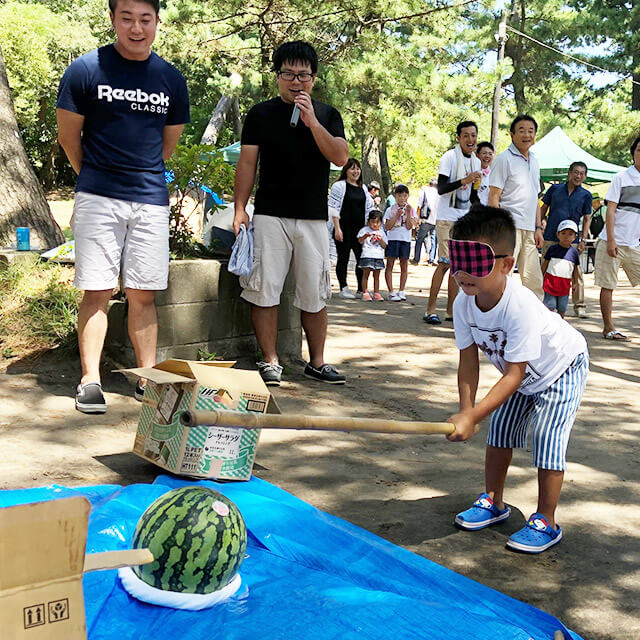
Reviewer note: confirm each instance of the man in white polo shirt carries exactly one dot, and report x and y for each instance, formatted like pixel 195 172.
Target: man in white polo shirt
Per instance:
pixel 619 240
pixel 514 185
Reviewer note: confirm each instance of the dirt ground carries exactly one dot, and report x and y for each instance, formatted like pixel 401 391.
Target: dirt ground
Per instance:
pixel 406 489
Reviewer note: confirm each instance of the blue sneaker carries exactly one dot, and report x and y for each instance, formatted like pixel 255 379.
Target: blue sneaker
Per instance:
pixel 482 514
pixel 536 536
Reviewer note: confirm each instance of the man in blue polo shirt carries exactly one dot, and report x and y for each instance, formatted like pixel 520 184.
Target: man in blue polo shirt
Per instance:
pixel 121 110
pixel 569 201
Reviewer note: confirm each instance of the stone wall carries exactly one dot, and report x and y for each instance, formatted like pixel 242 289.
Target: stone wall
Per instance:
pixel 202 310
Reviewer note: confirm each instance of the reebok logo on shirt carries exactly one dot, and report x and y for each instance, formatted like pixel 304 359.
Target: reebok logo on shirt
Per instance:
pixel 138 99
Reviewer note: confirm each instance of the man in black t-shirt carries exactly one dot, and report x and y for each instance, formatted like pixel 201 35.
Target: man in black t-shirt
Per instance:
pixel 290 206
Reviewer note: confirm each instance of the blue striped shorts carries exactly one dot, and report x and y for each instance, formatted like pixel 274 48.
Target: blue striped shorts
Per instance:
pixel 549 415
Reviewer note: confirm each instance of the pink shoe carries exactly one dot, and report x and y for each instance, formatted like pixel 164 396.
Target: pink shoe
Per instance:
pixel 366 296
pixel 377 297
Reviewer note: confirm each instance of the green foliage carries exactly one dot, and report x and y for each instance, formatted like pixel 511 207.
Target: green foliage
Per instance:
pixel 193 167
pixel 405 71
pixel 37 45
pixel 38 306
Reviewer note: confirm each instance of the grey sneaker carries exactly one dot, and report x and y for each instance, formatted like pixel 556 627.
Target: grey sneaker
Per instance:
pixel 89 398
pixel 326 373
pixel 270 372
pixel 581 312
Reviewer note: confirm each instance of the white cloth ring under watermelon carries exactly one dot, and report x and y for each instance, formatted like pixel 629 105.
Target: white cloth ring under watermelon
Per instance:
pixel 173 599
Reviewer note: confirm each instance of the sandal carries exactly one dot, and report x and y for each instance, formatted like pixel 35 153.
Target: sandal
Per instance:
pixel 536 536
pixel 615 335
pixel 432 318
pixel 482 513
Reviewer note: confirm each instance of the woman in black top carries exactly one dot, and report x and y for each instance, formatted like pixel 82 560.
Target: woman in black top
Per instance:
pixel 349 204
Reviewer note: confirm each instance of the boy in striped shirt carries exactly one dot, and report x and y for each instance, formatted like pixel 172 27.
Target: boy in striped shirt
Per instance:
pixel 543 361
pixel 560 268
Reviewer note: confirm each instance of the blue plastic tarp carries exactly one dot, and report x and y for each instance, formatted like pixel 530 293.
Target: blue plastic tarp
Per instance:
pixel 307 575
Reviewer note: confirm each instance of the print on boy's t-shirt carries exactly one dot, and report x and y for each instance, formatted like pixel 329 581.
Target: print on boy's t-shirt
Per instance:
pixel 493 345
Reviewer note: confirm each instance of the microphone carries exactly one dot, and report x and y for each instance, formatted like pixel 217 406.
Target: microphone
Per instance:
pixel 295 116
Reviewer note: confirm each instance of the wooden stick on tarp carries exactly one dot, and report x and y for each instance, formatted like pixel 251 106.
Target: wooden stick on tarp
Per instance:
pixel 252 420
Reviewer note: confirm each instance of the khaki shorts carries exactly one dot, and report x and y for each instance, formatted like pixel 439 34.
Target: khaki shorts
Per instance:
pixel 528 261
pixel 606 267
pixel 117 237
pixel 443 235
pixel 284 243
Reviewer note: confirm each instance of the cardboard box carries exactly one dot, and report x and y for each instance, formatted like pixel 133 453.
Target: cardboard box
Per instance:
pixel 205 451
pixel 42 560
pixel 42 549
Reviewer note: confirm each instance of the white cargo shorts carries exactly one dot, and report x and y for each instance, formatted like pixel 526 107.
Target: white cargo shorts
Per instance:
pixel 118 237
pixel 281 244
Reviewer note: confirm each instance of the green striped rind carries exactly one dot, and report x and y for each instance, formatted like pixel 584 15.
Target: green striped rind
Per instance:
pixel 195 549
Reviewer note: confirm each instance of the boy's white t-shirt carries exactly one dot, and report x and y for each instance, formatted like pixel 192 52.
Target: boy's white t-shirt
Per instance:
pixel 625 191
pixel 448 167
pixel 519 329
pixel 370 247
pixel 399 231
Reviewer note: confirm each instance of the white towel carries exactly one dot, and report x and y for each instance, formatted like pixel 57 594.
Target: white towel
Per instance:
pixel 189 601
pixel 461 172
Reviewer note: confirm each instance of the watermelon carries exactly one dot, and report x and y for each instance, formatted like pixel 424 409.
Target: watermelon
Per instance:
pixel 198 539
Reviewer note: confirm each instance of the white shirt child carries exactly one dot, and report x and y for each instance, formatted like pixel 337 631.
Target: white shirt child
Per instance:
pixel 399 231
pixel 519 329
pixel 371 247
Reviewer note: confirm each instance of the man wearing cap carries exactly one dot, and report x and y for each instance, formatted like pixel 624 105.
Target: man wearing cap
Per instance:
pixel 569 201
pixel 374 192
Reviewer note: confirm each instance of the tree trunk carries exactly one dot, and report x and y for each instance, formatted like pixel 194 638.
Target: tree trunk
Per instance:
pixel 371 159
pixel 515 49
pixel 23 202
pixel 635 88
pixel 233 118
pixel 211 133
pixel 387 182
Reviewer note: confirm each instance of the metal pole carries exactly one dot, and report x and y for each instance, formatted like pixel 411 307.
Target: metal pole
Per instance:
pixel 501 37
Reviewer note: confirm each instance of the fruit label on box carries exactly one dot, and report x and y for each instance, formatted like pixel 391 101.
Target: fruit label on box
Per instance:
pixel 223 442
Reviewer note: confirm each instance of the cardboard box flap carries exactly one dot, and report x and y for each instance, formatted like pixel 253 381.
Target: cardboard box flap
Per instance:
pixel 157 375
pixel 175 370
pixel 42 541
pixel 216 378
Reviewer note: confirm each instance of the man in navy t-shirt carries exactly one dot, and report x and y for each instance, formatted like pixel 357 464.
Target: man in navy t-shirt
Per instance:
pixel 290 216
pixel 121 110
pixel 569 201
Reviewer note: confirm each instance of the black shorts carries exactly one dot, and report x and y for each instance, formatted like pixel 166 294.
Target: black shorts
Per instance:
pixel 398 249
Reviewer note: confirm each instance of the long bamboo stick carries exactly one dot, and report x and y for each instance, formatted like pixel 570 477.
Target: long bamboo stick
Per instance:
pixel 251 420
